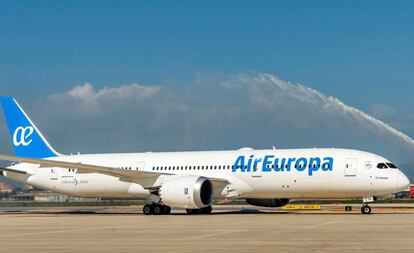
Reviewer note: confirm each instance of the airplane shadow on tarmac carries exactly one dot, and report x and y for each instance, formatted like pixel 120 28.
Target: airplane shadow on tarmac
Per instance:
pixel 182 212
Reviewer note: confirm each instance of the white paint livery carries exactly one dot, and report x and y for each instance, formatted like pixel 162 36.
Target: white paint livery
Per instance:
pixel 193 179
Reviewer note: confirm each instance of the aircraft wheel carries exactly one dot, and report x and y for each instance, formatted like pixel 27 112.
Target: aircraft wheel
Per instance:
pixel 207 210
pixel 147 209
pixel 157 209
pixel 166 209
pixel 365 209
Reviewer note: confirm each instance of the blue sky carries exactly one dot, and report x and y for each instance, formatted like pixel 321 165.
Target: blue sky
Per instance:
pixel 361 51
pixel 193 65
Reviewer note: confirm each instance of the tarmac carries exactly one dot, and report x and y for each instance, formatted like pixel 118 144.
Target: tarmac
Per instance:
pixel 228 229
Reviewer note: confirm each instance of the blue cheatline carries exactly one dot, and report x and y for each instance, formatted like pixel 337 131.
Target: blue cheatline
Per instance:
pixel 26 138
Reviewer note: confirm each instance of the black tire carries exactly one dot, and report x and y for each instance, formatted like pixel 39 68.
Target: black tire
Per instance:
pixel 157 209
pixel 365 209
pixel 147 209
pixel 207 210
pixel 166 209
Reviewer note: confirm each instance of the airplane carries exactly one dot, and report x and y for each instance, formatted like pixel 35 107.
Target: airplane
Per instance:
pixel 194 179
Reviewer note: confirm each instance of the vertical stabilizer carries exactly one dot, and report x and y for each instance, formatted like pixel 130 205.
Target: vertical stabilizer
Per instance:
pixel 26 138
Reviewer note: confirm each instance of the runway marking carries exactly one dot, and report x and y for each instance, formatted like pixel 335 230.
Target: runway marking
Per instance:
pixel 320 225
pixel 60 231
pixel 296 229
pixel 213 233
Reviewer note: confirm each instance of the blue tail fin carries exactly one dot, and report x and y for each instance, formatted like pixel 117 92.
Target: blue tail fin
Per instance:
pixel 26 138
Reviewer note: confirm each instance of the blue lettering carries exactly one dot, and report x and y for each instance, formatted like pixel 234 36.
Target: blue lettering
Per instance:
pixel 269 163
pixel 314 164
pixel 266 166
pixel 328 164
pixel 280 167
pixel 301 164
pixel 239 163
pixel 289 163
pixel 256 161
pixel 249 163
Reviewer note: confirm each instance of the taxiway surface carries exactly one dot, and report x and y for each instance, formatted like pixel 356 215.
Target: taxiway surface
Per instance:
pixel 125 229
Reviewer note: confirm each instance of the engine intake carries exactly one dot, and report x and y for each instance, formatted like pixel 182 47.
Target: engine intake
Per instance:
pixel 268 202
pixel 187 192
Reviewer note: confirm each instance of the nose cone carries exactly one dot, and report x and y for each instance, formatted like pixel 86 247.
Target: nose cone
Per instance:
pixel 403 182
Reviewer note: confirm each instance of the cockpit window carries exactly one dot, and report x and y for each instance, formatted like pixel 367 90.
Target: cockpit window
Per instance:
pixel 392 166
pixel 382 166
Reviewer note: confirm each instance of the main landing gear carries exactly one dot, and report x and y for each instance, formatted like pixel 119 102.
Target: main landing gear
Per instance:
pixel 156 209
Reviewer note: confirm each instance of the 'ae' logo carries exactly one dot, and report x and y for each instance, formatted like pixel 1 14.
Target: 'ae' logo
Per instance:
pixel 21 136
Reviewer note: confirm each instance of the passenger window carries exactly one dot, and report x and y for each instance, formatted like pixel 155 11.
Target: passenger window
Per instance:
pixel 382 166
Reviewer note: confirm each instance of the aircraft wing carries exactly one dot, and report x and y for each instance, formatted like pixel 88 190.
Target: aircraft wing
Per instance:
pixel 145 178
pixel 12 170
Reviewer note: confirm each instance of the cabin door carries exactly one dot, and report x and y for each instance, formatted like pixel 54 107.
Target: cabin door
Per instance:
pixel 351 167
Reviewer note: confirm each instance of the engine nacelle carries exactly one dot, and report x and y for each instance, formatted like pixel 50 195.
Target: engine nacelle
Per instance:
pixel 187 192
pixel 268 202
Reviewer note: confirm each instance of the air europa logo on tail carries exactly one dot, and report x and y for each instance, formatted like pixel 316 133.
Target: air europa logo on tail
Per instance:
pixel 270 163
pixel 21 136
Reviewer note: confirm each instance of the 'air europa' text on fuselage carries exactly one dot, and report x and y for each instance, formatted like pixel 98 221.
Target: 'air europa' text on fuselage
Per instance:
pixel 270 163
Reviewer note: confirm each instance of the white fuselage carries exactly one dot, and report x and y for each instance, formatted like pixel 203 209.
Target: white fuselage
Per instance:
pixel 267 174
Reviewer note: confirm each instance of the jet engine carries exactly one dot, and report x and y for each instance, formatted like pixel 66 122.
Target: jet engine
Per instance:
pixel 268 202
pixel 187 192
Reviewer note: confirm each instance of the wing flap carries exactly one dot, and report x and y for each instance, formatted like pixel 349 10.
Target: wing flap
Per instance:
pixel 12 170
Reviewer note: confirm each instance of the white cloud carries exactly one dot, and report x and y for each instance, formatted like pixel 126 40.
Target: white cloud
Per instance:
pixel 381 111
pixel 86 92
pixel 211 112
pixel 86 100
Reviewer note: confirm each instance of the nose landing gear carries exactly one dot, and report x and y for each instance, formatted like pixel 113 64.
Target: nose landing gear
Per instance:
pixel 365 209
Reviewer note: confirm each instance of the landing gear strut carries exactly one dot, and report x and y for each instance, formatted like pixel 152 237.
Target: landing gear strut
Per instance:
pixel 156 209
pixel 366 209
